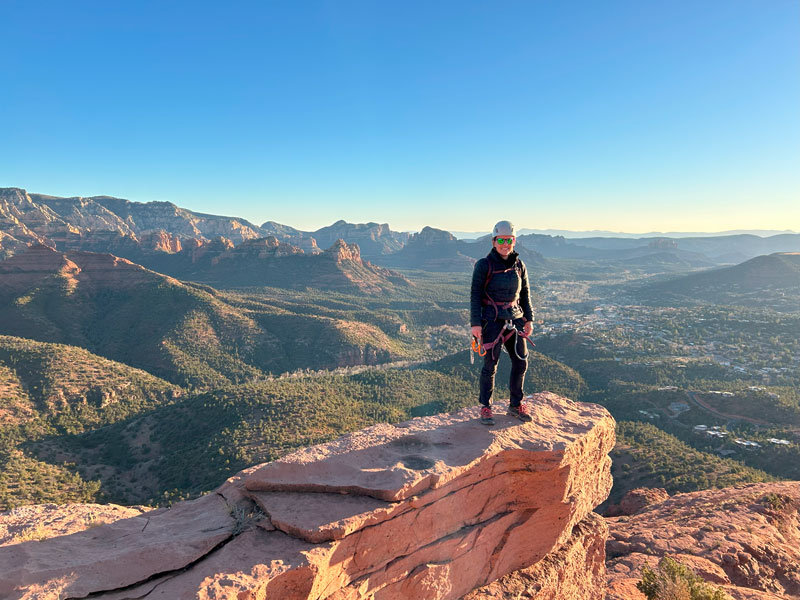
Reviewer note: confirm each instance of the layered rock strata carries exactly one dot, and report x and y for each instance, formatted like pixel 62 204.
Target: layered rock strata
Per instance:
pixel 575 571
pixel 432 508
pixel 41 265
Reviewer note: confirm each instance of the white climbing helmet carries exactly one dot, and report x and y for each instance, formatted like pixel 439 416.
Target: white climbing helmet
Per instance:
pixel 504 228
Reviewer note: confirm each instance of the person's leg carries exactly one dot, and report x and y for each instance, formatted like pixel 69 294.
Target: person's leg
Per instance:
pixel 490 331
pixel 518 351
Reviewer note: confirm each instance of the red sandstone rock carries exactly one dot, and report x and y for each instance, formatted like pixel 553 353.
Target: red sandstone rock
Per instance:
pixel 575 571
pixel 42 265
pixel 745 538
pixel 116 555
pixel 43 521
pixel 37 217
pixel 341 251
pixel 34 265
pixel 23 219
pixel 636 500
pixel 161 241
pixel 431 508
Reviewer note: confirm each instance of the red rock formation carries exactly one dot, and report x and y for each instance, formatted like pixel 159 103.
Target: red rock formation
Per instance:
pixel 373 239
pixel 265 247
pixel 199 249
pixel 42 521
pixel 341 251
pixel 636 500
pixel 746 539
pixel 36 264
pixel 41 264
pixel 9 245
pixel 306 244
pixel 575 571
pixel 248 253
pixel 161 241
pixel 23 219
pixel 431 508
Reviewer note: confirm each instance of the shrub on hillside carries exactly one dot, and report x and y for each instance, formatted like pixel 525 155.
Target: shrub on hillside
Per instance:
pixel 674 581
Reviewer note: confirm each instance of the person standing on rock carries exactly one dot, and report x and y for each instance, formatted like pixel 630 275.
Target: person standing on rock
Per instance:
pixel 501 316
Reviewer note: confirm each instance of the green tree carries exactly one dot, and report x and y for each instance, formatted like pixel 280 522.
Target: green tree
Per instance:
pixel 673 581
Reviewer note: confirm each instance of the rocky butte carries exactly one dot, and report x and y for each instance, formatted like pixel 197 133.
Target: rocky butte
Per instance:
pixel 433 508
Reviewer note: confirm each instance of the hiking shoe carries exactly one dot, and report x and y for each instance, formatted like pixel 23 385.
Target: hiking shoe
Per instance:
pixel 486 415
pixel 520 412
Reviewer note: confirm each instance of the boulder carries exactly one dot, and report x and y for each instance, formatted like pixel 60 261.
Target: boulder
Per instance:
pixel 637 500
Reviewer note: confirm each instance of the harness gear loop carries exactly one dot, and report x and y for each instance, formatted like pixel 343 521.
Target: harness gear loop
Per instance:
pixel 478 348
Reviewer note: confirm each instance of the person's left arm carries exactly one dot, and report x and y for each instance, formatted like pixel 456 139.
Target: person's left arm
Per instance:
pixel 525 302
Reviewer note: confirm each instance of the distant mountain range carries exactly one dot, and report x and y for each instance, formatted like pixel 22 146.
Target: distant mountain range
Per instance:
pixel 772 279
pixel 437 250
pixel 221 251
pixel 700 251
pixel 568 233
pixel 88 223
pixel 227 251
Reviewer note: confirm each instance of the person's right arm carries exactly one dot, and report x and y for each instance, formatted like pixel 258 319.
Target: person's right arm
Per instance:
pixel 476 295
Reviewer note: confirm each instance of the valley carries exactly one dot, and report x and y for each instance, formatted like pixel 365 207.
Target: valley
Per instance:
pixel 144 359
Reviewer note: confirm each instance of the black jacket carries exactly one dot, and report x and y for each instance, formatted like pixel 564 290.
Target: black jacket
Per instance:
pixel 509 286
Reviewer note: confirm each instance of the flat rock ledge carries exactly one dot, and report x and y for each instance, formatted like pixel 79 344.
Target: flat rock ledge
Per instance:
pixel 432 508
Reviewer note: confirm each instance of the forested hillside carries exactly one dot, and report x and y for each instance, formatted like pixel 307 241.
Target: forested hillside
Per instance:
pixel 121 383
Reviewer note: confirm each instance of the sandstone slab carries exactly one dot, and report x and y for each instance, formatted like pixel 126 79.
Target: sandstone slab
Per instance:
pixel 115 555
pixel 431 508
pixel 42 521
pixel 395 462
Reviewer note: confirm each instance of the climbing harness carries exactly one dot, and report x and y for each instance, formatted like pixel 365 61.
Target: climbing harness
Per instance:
pixel 509 330
pixel 506 333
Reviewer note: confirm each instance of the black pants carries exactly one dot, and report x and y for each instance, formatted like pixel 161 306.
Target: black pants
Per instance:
pixel 517 350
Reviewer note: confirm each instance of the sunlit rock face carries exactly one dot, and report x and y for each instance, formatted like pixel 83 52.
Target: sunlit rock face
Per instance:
pixel 24 221
pixel 341 251
pixel 574 571
pixel 373 239
pixel 745 539
pixel 98 222
pixel 41 265
pixel 432 508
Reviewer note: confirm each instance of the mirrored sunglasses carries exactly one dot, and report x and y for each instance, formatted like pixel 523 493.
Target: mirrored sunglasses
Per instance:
pixel 501 241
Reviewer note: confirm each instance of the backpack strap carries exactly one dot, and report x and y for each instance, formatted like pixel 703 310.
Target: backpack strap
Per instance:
pixel 488 300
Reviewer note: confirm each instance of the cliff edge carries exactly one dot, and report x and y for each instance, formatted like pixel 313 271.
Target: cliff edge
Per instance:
pixel 432 508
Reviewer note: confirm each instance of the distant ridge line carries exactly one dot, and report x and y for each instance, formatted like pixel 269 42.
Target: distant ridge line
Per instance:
pixel 568 233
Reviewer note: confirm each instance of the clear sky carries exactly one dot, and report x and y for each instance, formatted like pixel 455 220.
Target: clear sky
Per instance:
pixel 622 115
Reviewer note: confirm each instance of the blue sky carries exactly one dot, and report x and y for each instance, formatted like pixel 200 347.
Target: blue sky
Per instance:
pixel 616 115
